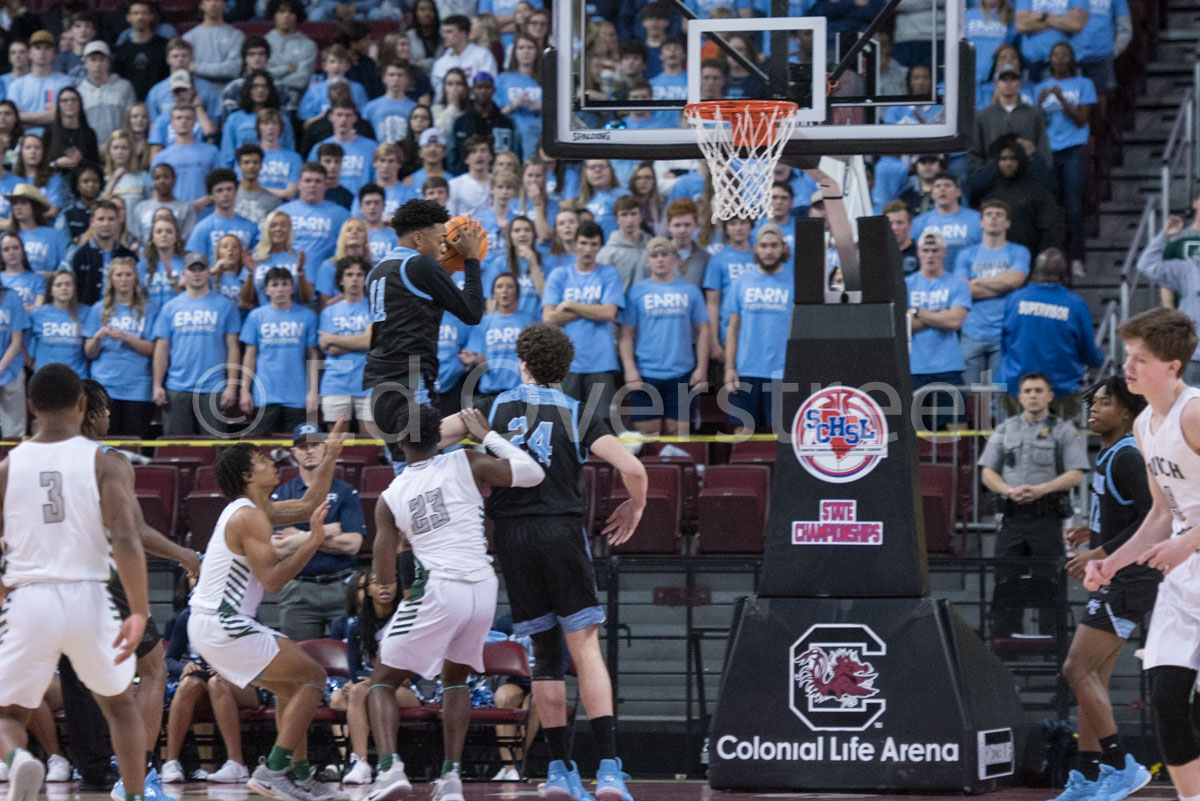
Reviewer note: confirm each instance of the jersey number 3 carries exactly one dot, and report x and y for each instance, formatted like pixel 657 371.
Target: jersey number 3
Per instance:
pixel 55 511
pixel 437 517
pixel 539 443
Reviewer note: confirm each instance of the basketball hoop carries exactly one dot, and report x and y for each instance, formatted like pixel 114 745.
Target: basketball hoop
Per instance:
pixel 742 141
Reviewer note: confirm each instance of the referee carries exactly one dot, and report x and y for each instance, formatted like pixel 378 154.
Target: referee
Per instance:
pixel 408 292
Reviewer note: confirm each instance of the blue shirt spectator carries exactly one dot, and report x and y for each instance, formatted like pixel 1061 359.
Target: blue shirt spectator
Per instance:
pixel 315 225
pixel 12 319
pixel 241 127
pixel 208 232
pixel 280 169
pixel 162 284
pixel 452 337
pixel 495 340
pixel 763 303
pixel 935 348
pixel 663 311
pixel 343 372
pixel 282 337
pixel 1062 130
pixel 958 225
pixel 316 97
pixel 27 285
pixel 123 371
pixel 357 155
pixel 1036 46
pixel 591 284
pixel 55 335
pixel 197 328
pixel 45 247
pixel 987 31
pixel 192 161
pixel 735 260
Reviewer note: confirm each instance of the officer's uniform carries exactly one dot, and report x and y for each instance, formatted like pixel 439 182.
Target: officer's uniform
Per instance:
pixel 1025 452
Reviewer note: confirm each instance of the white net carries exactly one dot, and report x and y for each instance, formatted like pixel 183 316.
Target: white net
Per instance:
pixel 742 143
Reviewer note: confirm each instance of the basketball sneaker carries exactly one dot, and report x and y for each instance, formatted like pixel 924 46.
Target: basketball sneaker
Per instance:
pixel 576 782
pixel 359 773
pixel 610 781
pixel 448 788
pixel 58 769
pixel 558 783
pixel 1079 788
pixel 151 788
pixel 25 776
pixel 318 791
pixel 172 772
pixel 507 775
pixel 1116 785
pixel 390 784
pixel 275 784
pixel 229 773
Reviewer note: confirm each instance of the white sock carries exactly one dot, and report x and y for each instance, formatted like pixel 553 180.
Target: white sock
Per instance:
pixel 1189 797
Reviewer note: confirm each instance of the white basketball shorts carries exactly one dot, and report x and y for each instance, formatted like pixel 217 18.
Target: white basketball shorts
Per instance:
pixel 238 647
pixel 448 621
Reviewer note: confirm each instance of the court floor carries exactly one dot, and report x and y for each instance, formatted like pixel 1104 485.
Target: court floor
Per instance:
pixel 641 790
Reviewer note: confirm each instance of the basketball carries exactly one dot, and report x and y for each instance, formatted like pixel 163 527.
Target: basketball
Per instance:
pixel 452 260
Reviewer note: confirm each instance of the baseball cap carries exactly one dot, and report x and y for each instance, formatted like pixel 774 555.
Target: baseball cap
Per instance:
pixel 97 46
pixel 659 243
pixel 431 136
pixel 931 237
pixel 306 431
pixel 180 79
pixel 1007 69
pixel 42 38
pixel 195 257
pixel 482 77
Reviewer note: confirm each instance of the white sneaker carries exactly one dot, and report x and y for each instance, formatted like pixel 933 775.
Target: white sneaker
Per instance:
pixel 172 772
pixel 448 788
pixel 359 773
pixel 58 769
pixel 25 777
pixel 390 784
pixel 507 775
pixel 229 773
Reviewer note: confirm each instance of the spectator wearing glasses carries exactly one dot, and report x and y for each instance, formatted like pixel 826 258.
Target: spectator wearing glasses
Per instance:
pixel 255 55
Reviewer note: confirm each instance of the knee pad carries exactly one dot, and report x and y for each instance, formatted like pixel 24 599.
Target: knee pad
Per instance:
pixel 1171 696
pixel 548 655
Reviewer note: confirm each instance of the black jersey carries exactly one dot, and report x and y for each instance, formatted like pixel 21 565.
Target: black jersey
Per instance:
pixel 546 423
pixel 1120 500
pixel 408 293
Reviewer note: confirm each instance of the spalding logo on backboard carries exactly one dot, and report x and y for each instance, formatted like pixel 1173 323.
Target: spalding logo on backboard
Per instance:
pixel 839 434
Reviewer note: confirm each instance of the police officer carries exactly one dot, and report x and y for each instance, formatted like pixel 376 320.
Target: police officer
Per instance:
pixel 1032 459
pixel 309 602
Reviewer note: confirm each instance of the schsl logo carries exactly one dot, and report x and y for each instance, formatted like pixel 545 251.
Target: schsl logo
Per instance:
pixel 839 434
pixel 832 684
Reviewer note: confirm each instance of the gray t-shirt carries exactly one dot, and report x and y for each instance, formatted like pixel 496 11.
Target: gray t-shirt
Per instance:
pixel 255 206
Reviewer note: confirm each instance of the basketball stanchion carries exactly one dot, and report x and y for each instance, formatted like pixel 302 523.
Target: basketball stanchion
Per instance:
pixel 842 673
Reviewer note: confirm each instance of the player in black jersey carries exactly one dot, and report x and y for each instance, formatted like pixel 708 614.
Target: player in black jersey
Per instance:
pixel 1120 500
pixel 543 550
pixel 408 292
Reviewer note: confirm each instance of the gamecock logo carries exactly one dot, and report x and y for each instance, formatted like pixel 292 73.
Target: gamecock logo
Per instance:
pixel 839 434
pixel 832 684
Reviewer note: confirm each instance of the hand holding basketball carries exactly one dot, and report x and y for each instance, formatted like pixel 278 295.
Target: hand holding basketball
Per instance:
pixel 465 239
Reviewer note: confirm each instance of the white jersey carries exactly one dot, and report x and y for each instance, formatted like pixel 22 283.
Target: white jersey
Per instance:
pixel 1173 463
pixel 53 526
pixel 227 584
pixel 438 508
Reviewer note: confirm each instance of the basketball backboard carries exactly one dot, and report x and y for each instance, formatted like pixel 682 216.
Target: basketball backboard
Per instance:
pixel 852 104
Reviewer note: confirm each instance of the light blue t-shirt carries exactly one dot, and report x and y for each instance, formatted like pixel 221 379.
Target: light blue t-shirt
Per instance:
pixel 935 350
pixel 1036 47
pixel 987 32
pixel 28 285
pixel 393 198
pixel 664 314
pixel 163 133
pixel 315 229
pixel 280 168
pixel 208 232
pixel 528 301
pixel 380 242
pixel 496 338
pixel 593 340
pixel 357 156
pixel 509 86
pixel 12 318
pixel 192 163
pixel 1097 38
pixel 283 337
pixel 452 336
pixel 162 286
pixel 723 269
pixel 289 260
pixel 160 99
pixel 960 229
pixel 986 317
pixel 123 371
pixel 55 337
pixel 669 87
pixel 491 226
pixel 316 97
pixel 1062 131
pixel 764 303
pixel 45 247
pixel 196 329
pixel 241 127
pixel 35 95
pixel 389 117
pixel 343 374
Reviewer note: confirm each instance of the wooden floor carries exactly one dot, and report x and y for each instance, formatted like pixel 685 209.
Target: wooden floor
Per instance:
pixel 641 790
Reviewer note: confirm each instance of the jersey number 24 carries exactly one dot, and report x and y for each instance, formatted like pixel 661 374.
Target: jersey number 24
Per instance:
pixel 538 443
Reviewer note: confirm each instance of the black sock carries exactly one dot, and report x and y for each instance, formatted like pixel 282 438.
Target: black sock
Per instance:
pixel 606 736
pixel 1114 754
pixel 556 736
pixel 1089 764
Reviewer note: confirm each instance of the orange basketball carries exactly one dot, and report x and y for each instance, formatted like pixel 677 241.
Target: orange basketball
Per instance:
pixel 452 260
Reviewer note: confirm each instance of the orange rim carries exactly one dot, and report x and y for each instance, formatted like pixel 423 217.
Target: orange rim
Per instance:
pixel 754 134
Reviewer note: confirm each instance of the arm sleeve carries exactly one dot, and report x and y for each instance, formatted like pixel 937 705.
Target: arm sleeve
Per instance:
pixel 429 276
pixel 1129 479
pixel 525 471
